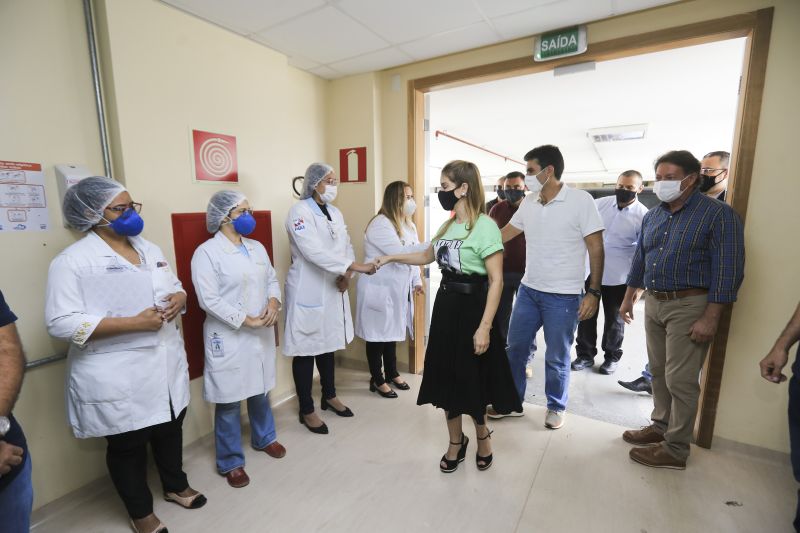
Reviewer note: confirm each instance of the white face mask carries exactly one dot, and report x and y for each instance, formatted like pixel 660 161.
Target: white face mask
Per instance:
pixel 533 183
pixel 329 195
pixel 668 190
pixel 409 207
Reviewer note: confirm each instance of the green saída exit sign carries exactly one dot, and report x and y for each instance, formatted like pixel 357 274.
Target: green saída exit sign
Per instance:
pixel 561 43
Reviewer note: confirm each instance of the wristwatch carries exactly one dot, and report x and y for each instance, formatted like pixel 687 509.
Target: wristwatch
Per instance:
pixel 5 425
pixel 594 292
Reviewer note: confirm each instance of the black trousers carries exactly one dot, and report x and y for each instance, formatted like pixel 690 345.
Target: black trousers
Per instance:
pixel 385 352
pixel 303 373
pixel 613 329
pixel 794 429
pixel 126 458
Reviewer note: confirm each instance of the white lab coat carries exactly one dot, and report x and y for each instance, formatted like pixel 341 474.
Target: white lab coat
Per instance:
pixel 318 316
pixel 384 305
pixel 240 361
pixel 114 390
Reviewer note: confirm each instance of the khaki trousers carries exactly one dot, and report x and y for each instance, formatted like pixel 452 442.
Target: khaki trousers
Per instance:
pixel 675 362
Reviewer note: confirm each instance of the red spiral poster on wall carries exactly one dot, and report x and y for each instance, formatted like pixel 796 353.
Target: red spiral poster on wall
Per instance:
pixel 214 157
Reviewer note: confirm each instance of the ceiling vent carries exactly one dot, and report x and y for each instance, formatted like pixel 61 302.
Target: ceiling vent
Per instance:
pixel 631 132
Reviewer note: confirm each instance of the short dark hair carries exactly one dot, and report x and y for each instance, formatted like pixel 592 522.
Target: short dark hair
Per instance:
pixel 681 158
pixel 632 173
pixel 548 155
pixel 514 175
pixel 724 157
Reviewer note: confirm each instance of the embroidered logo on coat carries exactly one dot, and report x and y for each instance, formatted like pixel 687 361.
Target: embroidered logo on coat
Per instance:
pixel 299 224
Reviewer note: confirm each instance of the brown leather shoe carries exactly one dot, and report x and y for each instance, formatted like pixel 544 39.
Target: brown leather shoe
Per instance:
pixel 237 478
pixel 647 436
pixel 275 450
pixel 657 457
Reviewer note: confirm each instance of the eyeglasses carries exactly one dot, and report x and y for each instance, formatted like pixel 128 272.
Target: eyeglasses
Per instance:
pixel 241 211
pixel 708 171
pixel 136 206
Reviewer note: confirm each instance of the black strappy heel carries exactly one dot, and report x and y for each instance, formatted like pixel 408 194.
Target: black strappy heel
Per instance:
pixel 487 461
pixel 452 466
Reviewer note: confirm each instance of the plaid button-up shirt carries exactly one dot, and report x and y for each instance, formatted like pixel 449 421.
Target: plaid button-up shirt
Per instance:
pixel 699 246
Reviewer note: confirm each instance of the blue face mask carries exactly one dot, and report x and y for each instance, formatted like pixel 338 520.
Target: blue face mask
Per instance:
pixel 129 223
pixel 244 224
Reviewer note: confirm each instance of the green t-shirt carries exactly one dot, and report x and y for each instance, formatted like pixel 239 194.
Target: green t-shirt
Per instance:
pixel 464 254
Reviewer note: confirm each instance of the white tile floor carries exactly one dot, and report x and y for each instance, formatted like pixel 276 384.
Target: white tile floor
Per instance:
pixel 378 472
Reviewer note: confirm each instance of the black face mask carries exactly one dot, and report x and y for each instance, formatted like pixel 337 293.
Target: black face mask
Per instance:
pixel 448 199
pixel 514 195
pixel 501 194
pixel 706 182
pixel 624 196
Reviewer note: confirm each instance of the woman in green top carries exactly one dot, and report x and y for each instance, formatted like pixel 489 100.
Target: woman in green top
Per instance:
pixel 466 367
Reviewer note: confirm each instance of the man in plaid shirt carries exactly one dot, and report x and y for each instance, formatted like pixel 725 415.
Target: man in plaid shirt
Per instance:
pixel 690 263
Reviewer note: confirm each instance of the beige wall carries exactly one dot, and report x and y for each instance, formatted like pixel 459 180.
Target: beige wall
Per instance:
pixel 164 73
pixel 751 410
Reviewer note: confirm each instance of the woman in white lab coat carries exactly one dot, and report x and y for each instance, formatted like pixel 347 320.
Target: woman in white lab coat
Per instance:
pixel 239 291
pixel 113 296
pixel 385 304
pixel 318 320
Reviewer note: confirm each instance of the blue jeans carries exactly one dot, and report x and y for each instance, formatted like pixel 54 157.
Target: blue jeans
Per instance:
pixel 228 430
pixel 16 502
pixel 558 313
pixel 646 373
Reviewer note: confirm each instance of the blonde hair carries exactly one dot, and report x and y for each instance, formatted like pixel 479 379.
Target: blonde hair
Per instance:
pixel 460 172
pixel 394 197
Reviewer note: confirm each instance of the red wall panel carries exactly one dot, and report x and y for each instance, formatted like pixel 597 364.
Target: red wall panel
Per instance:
pixel 189 232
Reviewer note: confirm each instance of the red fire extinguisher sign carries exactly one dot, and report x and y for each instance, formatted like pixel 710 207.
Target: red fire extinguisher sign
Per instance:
pixel 353 164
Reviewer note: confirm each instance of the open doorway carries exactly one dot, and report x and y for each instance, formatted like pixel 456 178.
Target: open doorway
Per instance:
pixel 607 117
pixel 754 27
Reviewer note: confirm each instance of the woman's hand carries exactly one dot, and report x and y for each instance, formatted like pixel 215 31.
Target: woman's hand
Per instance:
pixel 151 319
pixel 419 290
pixel 271 314
pixel 175 303
pixel 481 339
pixel 382 261
pixel 364 268
pixel 342 283
pixel 255 322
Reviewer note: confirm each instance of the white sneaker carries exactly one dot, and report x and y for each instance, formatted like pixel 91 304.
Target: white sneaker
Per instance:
pixel 491 413
pixel 554 419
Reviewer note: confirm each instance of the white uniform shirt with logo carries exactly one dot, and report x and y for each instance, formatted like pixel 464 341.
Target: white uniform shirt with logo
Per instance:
pixel 318 317
pixel 239 361
pixel 554 247
pixel 111 390
pixel 623 227
pixel 384 304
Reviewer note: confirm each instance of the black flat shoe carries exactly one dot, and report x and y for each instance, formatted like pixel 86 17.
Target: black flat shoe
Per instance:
pixel 487 461
pixel 401 386
pixel 319 430
pixel 452 465
pixel 638 385
pixel 374 388
pixel 345 412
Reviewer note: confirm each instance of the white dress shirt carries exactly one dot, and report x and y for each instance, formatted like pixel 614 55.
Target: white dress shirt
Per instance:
pixel 623 227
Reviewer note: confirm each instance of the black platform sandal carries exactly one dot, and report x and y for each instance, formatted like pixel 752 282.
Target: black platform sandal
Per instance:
pixel 487 461
pixel 452 466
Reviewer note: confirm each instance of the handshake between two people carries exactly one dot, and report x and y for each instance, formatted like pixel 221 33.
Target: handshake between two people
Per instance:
pixel 368 268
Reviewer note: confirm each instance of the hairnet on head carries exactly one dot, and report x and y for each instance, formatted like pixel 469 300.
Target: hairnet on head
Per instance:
pixel 85 201
pixel 220 206
pixel 314 174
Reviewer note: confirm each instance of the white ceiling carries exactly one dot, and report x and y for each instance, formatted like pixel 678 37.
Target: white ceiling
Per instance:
pixel 687 97
pixel 335 38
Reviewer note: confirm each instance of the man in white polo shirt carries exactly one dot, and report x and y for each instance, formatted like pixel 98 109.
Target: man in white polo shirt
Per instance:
pixel 560 224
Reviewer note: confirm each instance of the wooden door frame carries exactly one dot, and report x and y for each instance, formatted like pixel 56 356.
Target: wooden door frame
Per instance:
pixel 755 26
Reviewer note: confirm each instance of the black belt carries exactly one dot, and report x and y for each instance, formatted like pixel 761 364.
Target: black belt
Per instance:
pixel 463 288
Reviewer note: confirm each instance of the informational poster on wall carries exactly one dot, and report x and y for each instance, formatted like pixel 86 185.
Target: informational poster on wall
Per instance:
pixel 214 157
pixel 23 204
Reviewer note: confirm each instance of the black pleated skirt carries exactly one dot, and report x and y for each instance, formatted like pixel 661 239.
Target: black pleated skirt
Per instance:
pixel 454 378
